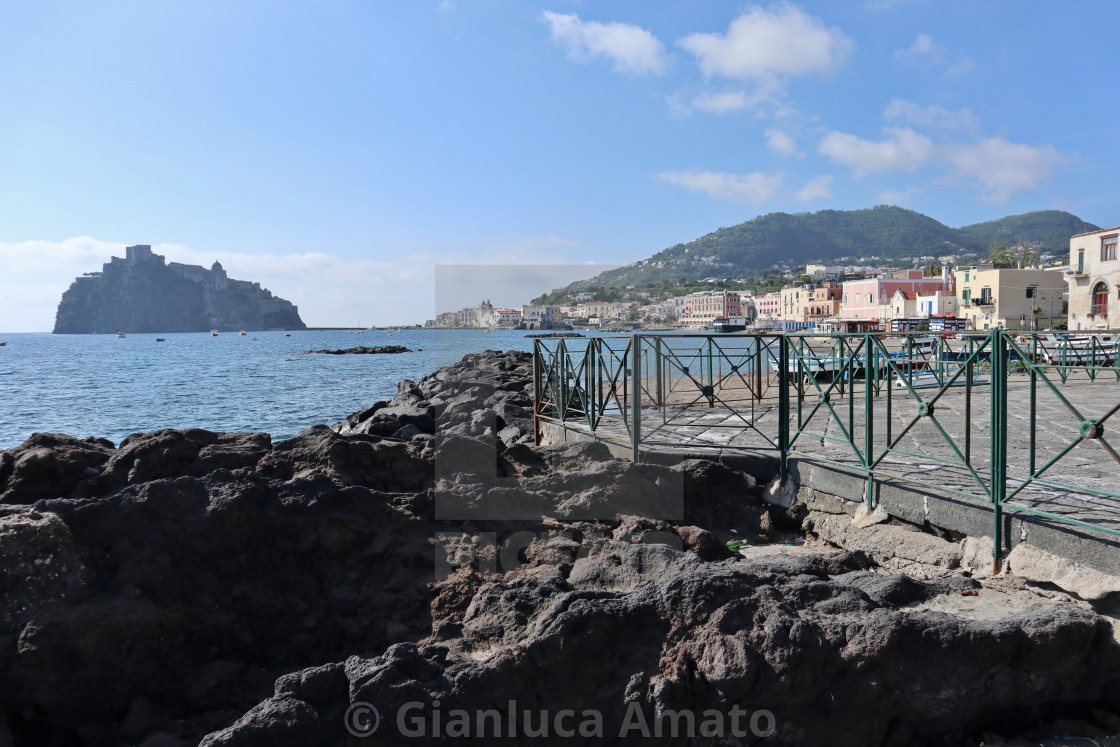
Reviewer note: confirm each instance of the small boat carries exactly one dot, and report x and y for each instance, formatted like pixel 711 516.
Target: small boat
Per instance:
pixel 2 344
pixel 287 334
pixel 933 380
pixel 1080 350
pixel 726 324
pixel 121 334
pixel 161 339
pixel 213 333
pixel 242 333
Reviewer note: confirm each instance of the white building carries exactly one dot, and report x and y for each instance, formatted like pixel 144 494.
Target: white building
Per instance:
pixel 1093 280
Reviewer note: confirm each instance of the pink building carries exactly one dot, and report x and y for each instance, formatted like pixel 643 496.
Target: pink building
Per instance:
pixel 706 306
pixel 769 305
pixel 862 298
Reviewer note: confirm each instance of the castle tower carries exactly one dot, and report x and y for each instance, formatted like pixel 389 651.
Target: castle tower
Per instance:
pixel 218 277
pixel 139 253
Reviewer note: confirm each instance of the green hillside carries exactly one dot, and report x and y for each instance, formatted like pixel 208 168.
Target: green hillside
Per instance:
pixel 1050 229
pixel 891 234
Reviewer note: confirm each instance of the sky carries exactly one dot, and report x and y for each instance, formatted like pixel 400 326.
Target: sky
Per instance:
pixel 338 151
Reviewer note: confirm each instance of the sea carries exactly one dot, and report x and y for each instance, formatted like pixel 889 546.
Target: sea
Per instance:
pixel 110 387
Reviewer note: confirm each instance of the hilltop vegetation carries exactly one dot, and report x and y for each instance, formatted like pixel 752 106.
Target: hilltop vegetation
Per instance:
pixel 884 233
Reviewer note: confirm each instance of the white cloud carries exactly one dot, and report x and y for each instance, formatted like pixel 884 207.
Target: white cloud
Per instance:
pixel 744 188
pixel 631 48
pixel 903 149
pixel 720 103
pixel 781 142
pixel 766 43
pixel 908 112
pixel 964 66
pixel 818 188
pixel 899 197
pixel 999 169
pixel 923 46
pixel 1002 169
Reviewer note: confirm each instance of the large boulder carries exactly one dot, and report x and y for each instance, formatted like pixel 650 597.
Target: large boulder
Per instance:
pixel 702 647
pixel 49 465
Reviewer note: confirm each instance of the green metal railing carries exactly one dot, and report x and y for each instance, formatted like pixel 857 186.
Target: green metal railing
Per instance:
pixel 926 411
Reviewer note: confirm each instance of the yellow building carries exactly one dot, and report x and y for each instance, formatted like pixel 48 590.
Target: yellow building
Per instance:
pixel 1007 297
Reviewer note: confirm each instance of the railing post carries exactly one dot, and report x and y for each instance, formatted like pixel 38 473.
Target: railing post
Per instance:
pixel 658 372
pixel 591 387
pixel 537 392
pixel 711 376
pixel 757 369
pixel 999 443
pixel 783 409
pixel 1033 416
pixel 636 398
pixel 869 378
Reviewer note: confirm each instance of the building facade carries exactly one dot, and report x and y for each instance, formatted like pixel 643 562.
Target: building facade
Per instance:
pixel 1093 280
pixel 991 297
pixel 809 303
pixel 704 307
pixel 862 298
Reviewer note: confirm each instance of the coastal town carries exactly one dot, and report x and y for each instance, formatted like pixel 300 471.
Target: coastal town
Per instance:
pixel 1074 293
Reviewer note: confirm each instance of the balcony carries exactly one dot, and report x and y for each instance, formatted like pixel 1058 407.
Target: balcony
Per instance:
pixel 1099 310
pixel 982 301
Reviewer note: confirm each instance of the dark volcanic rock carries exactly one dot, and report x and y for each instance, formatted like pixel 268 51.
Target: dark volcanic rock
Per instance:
pixel 143 457
pixel 486 395
pixel 777 636
pixel 49 465
pixel 362 350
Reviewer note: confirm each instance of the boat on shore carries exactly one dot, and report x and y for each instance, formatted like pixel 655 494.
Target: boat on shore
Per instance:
pixel 726 324
pixel 1071 349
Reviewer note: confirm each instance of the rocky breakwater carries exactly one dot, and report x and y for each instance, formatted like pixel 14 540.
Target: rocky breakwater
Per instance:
pixel 365 350
pixel 425 559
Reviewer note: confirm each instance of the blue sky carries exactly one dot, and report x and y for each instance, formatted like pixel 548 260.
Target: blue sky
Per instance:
pixel 337 151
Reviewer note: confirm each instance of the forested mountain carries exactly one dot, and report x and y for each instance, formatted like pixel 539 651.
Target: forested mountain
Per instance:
pixel 891 234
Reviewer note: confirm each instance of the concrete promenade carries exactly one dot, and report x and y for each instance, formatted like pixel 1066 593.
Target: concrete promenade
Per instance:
pixel 940 464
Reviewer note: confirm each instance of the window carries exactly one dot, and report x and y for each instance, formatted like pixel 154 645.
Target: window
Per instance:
pixel 1032 291
pixel 965 294
pixel 871 298
pixel 966 277
pixel 1081 260
pixel 1099 305
pixel 1108 248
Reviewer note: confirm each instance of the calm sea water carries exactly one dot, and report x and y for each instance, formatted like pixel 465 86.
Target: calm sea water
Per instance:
pixel 102 385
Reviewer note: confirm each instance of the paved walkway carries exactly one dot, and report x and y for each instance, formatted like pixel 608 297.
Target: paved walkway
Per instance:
pixel 1083 484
